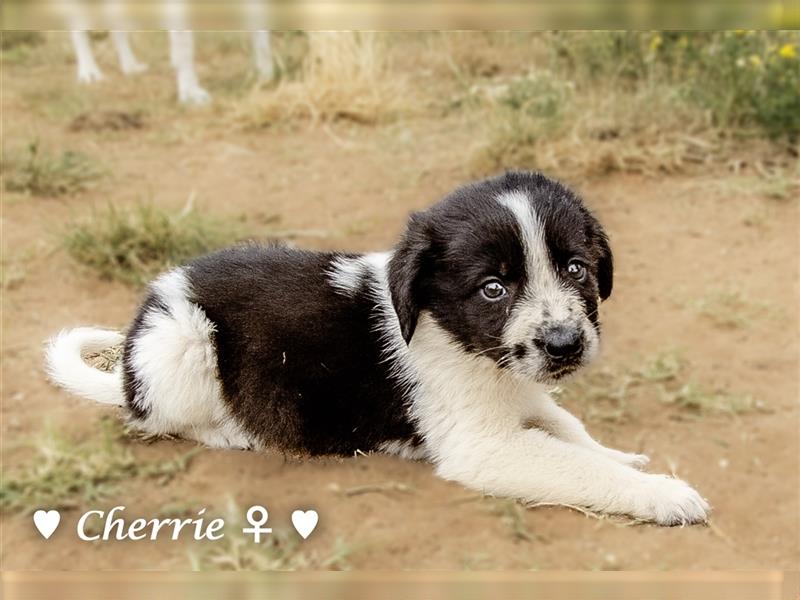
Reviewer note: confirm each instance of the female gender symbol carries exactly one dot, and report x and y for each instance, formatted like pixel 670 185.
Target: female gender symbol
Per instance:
pixel 257 522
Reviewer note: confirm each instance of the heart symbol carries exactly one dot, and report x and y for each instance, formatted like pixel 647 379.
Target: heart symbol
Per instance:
pixel 46 521
pixel 305 522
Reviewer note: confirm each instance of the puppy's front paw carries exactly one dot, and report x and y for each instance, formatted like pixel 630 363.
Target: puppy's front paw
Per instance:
pixel 669 501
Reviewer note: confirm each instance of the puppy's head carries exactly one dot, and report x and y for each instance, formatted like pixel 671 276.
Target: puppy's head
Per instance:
pixel 513 268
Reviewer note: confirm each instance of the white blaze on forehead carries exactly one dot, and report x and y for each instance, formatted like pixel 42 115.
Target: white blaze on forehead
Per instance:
pixel 530 227
pixel 543 291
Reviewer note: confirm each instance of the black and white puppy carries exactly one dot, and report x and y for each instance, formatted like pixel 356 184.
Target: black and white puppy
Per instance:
pixel 442 349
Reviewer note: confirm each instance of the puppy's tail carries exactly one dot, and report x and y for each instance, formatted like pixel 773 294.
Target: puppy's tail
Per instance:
pixel 65 365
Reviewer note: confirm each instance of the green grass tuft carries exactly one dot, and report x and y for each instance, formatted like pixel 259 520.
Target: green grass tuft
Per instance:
pixel 661 368
pixel 512 513
pixel 133 245
pixel 43 174
pixel 696 398
pixel 730 308
pixel 18 47
pixel 66 474
pixel 14 39
pixel 609 395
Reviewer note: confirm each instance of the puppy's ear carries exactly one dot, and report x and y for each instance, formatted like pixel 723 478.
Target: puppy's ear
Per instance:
pixel 406 271
pixel 602 252
pixel 605 266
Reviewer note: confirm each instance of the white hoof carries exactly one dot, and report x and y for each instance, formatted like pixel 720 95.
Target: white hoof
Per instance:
pixel 194 95
pixel 134 68
pixel 89 75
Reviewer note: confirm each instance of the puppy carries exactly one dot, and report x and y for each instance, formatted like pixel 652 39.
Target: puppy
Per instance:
pixel 442 349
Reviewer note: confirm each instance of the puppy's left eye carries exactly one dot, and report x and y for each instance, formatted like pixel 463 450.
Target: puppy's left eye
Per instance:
pixel 493 290
pixel 576 270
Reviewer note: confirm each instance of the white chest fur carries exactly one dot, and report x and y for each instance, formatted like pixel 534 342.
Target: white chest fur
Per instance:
pixel 463 398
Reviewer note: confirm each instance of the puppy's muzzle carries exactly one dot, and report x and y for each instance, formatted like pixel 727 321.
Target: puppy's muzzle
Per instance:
pixel 563 344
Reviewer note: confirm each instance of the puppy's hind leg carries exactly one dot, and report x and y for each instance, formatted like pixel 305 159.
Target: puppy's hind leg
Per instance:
pixel 171 369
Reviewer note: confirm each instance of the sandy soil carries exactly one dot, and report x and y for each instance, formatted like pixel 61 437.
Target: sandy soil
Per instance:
pixel 676 240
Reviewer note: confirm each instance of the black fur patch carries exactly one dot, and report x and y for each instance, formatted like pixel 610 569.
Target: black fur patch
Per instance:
pixel 300 364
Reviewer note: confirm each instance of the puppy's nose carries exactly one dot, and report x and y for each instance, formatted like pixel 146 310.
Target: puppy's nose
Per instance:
pixel 562 342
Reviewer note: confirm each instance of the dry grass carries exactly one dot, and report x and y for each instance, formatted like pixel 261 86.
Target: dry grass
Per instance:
pixel 106 359
pixel 468 56
pixel 12 275
pixel 389 487
pixel 772 182
pixel 541 122
pixel 345 76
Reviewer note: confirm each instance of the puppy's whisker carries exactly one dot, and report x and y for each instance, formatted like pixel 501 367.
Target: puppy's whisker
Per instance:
pixel 485 350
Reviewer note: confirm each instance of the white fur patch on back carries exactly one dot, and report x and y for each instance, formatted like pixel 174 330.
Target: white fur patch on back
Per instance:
pixel 174 359
pixel 347 273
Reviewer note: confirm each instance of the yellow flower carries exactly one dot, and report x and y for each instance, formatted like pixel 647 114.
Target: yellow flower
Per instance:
pixel 788 51
pixel 755 60
pixel 655 43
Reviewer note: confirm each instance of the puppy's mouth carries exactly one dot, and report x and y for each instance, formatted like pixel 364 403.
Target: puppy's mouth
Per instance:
pixel 557 371
pixel 548 372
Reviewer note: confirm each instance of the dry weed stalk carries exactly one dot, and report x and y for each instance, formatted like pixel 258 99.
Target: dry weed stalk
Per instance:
pixel 345 76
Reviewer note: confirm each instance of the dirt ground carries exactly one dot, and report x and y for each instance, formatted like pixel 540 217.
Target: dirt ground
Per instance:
pixel 676 239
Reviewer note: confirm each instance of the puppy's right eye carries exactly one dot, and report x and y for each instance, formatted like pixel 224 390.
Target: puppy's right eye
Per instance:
pixel 493 290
